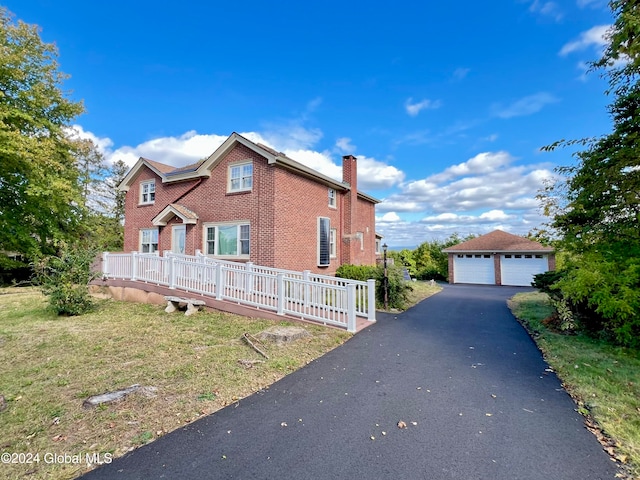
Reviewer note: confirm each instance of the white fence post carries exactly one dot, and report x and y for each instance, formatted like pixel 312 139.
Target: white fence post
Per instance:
pixel 281 295
pixel 371 301
pixel 306 301
pixel 248 278
pixel 351 308
pixel 134 266
pixel 219 281
pixel 172 272
pixel 105 264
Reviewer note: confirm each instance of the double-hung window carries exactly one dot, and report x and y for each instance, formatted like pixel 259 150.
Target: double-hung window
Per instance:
pixel 332 198
pixel 230 240
pixel 149 240
pixel 240 177
pixel 147 192
pixel 324 242
pixel 332 242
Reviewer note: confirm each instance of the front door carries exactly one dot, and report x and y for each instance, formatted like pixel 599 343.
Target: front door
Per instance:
pixel 179 238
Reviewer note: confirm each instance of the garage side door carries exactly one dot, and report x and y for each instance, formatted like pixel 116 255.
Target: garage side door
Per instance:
pixel 473 269
pixel 519 270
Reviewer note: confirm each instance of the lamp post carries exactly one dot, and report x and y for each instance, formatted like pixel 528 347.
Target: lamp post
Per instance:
pixel 386 278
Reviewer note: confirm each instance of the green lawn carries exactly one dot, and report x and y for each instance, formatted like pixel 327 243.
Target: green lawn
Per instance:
pixel 51 364
pixel 603 379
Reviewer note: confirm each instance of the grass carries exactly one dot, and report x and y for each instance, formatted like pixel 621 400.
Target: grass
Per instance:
pixel 421 290
pixel 51 364
pixel 603 379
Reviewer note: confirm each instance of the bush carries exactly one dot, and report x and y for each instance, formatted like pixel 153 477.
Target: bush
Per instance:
pixel 398 287
pixel 65 279
pixel 596 295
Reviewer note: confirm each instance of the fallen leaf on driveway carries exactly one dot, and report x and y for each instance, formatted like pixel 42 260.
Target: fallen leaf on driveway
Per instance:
pixel 283 424
pixel 401 424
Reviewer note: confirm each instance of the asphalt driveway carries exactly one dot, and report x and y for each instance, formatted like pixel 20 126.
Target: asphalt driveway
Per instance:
pixel 457 369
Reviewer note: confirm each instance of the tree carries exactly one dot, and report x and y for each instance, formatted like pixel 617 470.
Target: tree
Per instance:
pixel 39 190
pixel 596 205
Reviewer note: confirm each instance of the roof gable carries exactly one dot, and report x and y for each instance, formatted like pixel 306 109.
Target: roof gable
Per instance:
pixel 174 210
pixel 203 168
pixel 499 241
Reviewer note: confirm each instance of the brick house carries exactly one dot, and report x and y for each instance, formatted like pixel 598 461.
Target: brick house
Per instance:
pixel 247 202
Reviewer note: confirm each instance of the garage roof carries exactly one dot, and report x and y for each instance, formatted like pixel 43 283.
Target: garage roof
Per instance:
pixel 499 241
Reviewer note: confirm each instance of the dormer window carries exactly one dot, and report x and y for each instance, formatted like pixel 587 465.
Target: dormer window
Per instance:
pixel 240 177
pixel 147 192
pixel 332 198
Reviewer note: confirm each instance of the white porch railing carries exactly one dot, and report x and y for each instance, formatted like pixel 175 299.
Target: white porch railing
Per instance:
pixel 321 298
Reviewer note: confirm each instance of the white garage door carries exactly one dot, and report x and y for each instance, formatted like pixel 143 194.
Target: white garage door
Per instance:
pixel 473 269
pixel 519 269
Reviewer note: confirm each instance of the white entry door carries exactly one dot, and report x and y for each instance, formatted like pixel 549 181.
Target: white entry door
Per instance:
pixel 179 239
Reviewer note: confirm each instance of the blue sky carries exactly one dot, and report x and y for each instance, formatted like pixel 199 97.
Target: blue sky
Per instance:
pixel 445 104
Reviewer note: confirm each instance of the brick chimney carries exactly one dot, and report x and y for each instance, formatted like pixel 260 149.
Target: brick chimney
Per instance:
pixel 349 176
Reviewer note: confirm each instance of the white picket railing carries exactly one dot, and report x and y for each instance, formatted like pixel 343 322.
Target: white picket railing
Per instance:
pixel 330 300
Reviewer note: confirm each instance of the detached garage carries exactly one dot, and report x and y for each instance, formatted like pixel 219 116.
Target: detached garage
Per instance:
pixel 498 258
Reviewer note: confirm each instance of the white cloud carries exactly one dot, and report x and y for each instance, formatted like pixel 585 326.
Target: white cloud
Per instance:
pixel 525 106
pixel 482 163
pixel 547 9
pixel 595 37
pixel 104 144
pixel 476 196
pixel 591 3
pixel 460 73
pixel 376 175
pixel 345 146
pixel 414 108
pixel 389 217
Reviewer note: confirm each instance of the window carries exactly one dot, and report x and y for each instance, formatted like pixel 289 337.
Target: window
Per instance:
pixel 324 242
pixel 230 240
pixel 240 177
pixel 332 198
pixel 332 242
pixel 149 240
pixel 148 192
pixel 377 245
pixel 538 256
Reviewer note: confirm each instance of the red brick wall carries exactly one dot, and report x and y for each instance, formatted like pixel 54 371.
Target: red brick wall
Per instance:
pixel 299 204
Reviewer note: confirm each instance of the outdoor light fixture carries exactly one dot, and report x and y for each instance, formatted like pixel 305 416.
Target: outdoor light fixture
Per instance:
pixel 386 278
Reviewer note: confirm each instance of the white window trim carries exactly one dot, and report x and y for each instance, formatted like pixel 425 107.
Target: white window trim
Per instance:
pixel 333 248
pixel 333 200
pixel 239 164
pixel 142 186
pixel 150 243
pixel 237 224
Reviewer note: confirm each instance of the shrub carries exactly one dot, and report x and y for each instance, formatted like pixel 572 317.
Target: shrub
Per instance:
pixel 397 287
pixel 65 279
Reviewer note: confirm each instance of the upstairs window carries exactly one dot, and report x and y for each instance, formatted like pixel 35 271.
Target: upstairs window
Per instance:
pixel 332 198
pixel 147 192
pixel 240 177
